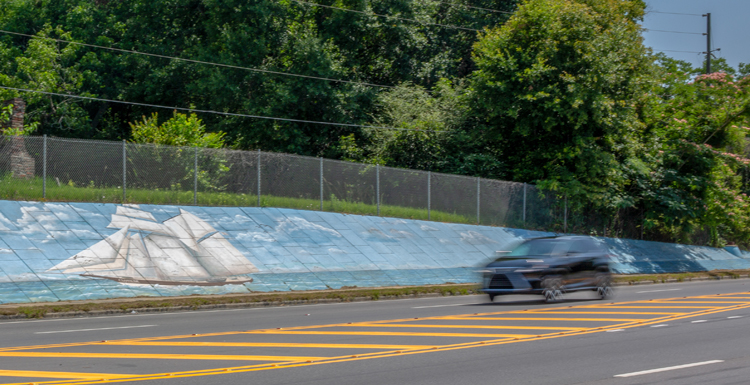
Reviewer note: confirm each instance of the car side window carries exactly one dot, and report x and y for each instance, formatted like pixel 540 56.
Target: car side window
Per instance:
pixel 581 246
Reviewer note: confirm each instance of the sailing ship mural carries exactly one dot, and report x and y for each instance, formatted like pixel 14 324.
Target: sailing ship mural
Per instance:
pixel 183 250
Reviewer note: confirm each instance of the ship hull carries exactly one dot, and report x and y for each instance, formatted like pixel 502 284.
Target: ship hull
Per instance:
pixel 172 283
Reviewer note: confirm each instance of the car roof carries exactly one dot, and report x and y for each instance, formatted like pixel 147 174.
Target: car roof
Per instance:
pixel 563 237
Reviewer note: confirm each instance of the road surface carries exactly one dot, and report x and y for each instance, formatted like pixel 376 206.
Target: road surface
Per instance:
pixel 688 333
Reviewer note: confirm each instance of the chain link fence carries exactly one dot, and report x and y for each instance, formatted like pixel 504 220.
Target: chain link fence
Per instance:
pixel 57 169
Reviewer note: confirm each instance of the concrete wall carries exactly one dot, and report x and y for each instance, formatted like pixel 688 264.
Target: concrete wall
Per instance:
pixel 78 251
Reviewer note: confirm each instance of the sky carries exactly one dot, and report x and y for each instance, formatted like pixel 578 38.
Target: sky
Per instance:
pixel 730 29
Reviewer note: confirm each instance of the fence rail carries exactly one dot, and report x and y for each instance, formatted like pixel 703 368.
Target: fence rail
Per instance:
pixel 59 169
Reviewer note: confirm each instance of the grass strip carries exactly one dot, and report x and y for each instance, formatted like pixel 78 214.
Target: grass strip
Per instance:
pixel 196 302
pixel 59 191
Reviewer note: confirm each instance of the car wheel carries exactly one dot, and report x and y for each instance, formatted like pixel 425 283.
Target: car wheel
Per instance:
pixel 552 290
pixel 604 286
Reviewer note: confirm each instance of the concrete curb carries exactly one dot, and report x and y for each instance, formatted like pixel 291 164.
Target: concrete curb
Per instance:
pixel 262 304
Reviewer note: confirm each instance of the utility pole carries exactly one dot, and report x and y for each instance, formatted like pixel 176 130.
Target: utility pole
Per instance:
pixel 708 42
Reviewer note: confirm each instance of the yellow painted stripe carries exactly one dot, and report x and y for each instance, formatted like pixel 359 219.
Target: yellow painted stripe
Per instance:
pixel 464 326
pixel 327 333
pixel 603 312
pixel 679 302
pixel 267 344
pixel 157 356
pixel 71 375
pixel 656 307
pixel 246 369
pixel 545 319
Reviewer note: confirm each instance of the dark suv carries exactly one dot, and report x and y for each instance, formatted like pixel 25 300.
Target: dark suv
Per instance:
pixel 550 266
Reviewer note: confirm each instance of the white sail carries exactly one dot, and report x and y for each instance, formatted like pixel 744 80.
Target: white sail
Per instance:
pixel 182 250
pixel 134 213
pixel 140 261
pixel 174 259
pixel 120 262
pixel 103 252
pixel 198 227
pixel 227 255
pixel 119 221
pixel 180 229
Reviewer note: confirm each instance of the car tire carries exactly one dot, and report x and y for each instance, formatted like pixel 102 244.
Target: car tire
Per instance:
pixel 604 286
pixel 552 289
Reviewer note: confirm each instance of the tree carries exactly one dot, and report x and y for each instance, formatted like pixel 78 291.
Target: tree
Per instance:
pixel 558 89
pixel 429 133
pixel 699 178
pixel 177 165
pixel 180 130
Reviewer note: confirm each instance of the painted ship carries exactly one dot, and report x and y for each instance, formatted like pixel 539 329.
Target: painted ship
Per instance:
pixel 183 250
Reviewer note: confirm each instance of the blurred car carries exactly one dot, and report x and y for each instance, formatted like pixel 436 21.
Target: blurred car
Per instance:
pixel 550 266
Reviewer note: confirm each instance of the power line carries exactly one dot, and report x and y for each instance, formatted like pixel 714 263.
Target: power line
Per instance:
pixel 198 61
pixel 660 30
pixel 677 13
pixel 473 7
pixel 670 50
pixel 387 16
pixel 217 112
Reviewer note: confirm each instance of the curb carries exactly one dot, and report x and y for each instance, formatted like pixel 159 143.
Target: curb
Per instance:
pixel 264 304
pixel 260 304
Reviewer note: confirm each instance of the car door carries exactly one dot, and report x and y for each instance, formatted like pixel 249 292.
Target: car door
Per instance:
pixel 580 264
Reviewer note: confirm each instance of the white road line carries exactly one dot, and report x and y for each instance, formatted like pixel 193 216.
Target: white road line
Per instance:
pixel 615 330
pixel 89 330
pixel 656 291
pixel 659 326
pixel 455 304
pixel 699 321
pixel 735 316
pixel 669 368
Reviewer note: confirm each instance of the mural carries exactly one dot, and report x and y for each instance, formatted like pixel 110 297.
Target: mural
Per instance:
pixel 183 250
pixel 80 251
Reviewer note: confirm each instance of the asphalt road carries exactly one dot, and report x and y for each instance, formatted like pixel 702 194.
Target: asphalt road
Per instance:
pixel 690 333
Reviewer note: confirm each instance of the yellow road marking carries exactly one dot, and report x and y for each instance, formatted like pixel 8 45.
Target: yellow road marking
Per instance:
pixel 602 312
pixel 305 332
pixel 266 344
pixel 546 319
pixel 465 326
pixel 387 354
pixel 678 301
pixel 158 356
pixel 421 349
pixel 655 307
pixel 70 375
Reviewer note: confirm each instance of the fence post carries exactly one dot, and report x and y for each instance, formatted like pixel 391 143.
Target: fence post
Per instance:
pixel 565 215
pixel 195 179
pixel 377 186
pixel 44 167
pixel 429 195
pixel 524 203
pixel 321 183
pixel 478 179
pixel 258 177
pixel 124 170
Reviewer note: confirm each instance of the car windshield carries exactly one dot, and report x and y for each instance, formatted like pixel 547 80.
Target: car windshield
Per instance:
pixel 539 247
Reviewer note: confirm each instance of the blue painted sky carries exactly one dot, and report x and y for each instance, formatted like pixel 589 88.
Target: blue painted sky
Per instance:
pixel 730 29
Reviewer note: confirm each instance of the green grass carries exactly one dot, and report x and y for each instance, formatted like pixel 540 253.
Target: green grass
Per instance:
pixel 32 190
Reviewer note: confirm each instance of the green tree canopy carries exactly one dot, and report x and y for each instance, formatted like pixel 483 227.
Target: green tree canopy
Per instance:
pixel 558 88
pixel 180 130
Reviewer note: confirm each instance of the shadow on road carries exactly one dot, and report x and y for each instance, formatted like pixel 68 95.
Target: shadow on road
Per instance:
pixel 531 301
